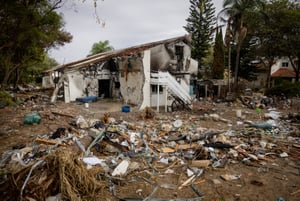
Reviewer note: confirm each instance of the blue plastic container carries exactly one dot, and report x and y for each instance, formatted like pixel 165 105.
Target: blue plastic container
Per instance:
pixel 125 108
pixel 32 118
pixel 87 99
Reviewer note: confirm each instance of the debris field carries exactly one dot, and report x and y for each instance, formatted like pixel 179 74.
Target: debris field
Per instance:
pixel 216 151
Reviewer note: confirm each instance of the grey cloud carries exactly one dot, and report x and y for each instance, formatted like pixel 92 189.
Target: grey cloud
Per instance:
pixel 128 23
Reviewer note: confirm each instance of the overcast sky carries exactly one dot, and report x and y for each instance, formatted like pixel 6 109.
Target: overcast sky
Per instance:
pixel 127 23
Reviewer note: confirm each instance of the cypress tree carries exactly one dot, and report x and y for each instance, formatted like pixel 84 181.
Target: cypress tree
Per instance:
pixel 218 62
pixel 200 25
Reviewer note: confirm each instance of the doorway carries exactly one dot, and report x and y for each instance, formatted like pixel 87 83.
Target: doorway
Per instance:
pixel 104 88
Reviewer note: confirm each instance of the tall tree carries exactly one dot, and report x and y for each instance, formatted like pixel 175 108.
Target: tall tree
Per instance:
pixel 237 27
pixel 200 24
pixel 218 62
pixel 288 20
pixel 34 71
pixel 101 46
pixel 28 30
pixel 277 34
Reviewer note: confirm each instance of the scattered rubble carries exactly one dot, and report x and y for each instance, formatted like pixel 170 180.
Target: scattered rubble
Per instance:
pixel 86 158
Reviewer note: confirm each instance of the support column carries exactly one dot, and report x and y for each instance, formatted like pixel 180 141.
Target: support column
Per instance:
pixel 166 99
pixel 157 107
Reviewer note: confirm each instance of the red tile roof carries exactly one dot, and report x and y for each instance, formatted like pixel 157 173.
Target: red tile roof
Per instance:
pixel 284 72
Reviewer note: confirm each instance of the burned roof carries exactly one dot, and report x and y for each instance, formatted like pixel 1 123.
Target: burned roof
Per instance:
pixel 116 53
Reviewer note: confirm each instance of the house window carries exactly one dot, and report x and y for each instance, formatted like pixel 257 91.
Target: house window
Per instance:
pixel 285 64
pixel 154 89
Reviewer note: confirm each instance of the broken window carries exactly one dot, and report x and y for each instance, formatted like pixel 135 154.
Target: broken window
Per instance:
pixel 179 52
pixel 179 55
pixel 154 88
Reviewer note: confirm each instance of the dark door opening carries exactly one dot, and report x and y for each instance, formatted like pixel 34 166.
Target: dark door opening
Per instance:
pixel 104 88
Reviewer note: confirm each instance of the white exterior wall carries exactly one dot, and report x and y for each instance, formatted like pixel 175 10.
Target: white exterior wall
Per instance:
pixel 278 64
pixel 193 68
pixel 75 87
pixel 146 88
pixel 47 82
pixel 132 81
pixel 132 87
pixel 162 98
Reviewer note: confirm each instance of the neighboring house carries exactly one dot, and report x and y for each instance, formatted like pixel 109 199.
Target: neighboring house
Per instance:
pixel 282 69
pixel 152 74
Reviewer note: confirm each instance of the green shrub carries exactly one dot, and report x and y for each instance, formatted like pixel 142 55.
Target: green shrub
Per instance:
pixel 6 99
pixel 285 87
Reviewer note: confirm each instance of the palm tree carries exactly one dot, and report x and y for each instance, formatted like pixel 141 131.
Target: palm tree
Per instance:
pixel 236 31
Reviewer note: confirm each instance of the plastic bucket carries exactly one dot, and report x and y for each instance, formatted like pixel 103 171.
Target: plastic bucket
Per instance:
pixel 125 108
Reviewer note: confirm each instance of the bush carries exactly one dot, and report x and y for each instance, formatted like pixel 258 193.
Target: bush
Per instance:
pixel 6 99
pixel 286 88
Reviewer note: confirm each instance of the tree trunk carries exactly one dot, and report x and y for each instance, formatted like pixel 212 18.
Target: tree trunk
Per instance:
pixel 236 70
pixel 269 65
pixel 7 75
pixel 17 78
pixel 297 67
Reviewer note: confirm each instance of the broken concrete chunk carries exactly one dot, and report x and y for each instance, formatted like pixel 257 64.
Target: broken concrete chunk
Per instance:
pixel 216 181
pixel 283 155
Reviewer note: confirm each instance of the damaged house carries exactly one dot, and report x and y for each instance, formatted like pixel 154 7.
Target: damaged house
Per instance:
pixel 153 74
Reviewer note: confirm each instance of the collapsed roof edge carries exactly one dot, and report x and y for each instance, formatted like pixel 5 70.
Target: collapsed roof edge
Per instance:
pixel 115 53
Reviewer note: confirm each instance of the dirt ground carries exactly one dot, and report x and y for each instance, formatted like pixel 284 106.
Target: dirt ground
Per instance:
pixel 268 178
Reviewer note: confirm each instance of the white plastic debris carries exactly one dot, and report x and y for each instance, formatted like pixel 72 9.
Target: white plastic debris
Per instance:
pixel 263 144
pixel 92 160
pixel 189 172
pixel 164 160
pixel 169 171
pixel 121 169
pixel 133 136
pixel 273 115
pixel 230 177
pixel 81 122
pixel 239 123
pixel 177 123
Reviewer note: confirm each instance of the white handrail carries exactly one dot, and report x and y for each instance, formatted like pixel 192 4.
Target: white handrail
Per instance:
pixel 165 78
